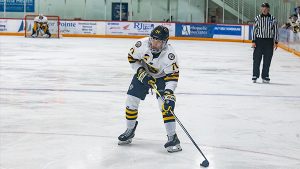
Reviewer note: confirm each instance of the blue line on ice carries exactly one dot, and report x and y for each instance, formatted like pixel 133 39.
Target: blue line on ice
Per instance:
pixel 121 91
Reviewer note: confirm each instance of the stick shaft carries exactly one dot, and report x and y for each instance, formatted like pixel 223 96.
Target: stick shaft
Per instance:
pixel 181 125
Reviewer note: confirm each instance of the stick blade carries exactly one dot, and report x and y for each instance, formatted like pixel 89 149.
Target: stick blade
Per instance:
pixel 205 163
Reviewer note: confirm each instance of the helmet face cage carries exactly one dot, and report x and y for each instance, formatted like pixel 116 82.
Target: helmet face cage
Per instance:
pixel 163 46
pixel 41 16
pixel 159 33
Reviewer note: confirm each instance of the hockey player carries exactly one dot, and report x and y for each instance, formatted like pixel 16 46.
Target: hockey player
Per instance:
pixel 40 26
pixel 154 63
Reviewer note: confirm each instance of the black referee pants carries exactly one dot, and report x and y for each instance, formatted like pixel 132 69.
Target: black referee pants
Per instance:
pixel 264 49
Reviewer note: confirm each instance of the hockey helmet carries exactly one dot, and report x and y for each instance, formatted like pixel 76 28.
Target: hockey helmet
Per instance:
pixel 159 37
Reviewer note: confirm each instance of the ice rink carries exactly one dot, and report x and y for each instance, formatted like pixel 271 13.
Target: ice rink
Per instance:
pixel 62 107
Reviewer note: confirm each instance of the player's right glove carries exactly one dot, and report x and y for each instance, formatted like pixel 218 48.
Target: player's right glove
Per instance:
pixel 169 101
pixel 144 77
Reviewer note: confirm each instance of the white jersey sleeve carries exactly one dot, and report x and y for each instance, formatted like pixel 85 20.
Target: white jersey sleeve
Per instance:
pixel 172 70
pixel 136 53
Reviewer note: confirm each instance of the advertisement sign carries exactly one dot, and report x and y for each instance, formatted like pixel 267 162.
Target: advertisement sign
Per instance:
pixel 3 25
pixel 7 25
pixel 233 30
pixel 17 5
pixel 209 31
pixel 135 28
pixel 194 30
pixel 66 27
pixel 78 27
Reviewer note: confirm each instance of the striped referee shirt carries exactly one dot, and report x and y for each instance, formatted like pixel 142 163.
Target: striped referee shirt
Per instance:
pixel 266 26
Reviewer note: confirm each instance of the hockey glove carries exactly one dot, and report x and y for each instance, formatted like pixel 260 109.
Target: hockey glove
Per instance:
pixel 144 77
pixel 169 103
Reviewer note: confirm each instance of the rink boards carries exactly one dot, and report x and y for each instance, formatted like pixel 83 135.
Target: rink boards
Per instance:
pixel 135 29
pixel 116 28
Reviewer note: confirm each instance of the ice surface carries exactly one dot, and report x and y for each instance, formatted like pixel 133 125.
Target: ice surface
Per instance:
pixel 62 107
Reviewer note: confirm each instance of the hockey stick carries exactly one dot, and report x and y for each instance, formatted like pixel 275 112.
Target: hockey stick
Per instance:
pixel 205 163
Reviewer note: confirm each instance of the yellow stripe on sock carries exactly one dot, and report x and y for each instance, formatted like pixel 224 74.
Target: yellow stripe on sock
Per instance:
pixel 169 118
pixel 131 117
pixel 132 112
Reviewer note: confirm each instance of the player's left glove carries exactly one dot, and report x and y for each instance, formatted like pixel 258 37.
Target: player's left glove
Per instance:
pixel 169 103
pixel 145 78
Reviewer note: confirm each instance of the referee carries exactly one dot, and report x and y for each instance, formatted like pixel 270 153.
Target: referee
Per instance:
pixel 265 40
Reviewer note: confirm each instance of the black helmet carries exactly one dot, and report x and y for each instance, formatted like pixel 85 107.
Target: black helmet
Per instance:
pixel 265 5
pixel 160 32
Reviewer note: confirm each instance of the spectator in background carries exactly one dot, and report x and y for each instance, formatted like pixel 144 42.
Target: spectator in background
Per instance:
pixel 294 21
pixel 293 24
pixel 297 11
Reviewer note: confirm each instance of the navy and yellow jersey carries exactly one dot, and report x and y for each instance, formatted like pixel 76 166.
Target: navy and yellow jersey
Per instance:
pixel 41 23
pixel 43 26
pixel 164 65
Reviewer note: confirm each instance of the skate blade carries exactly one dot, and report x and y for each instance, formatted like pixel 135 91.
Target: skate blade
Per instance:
pixel 254 81
pixel 264 81
pixel 173 149
pixel 125 142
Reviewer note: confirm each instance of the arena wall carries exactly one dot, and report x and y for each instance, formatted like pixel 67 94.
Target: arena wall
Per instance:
pixel 181 31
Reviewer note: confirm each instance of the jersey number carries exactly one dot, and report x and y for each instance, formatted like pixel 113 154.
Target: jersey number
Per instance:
pixel 175 66
pixel 131 51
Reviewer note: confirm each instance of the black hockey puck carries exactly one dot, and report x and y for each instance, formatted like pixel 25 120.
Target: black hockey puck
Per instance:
pixel 205 163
